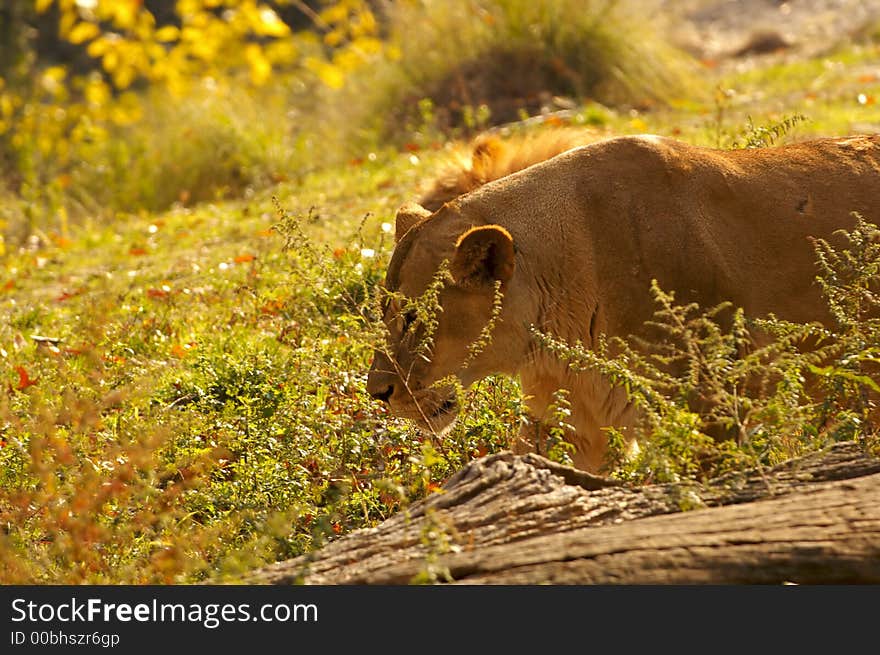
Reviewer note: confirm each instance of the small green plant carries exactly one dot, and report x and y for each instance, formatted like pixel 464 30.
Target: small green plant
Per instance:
pixel 762 136
pixel 485 336
pixel 558 448
pixel 751 135
pixel 438 539
pixel 476 119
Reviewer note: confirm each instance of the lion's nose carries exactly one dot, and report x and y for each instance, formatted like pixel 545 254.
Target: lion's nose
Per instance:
pixel 380 383
pixel 383 393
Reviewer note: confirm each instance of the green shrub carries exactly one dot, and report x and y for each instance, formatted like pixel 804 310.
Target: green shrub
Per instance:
pixel 209 423
pixel 772 402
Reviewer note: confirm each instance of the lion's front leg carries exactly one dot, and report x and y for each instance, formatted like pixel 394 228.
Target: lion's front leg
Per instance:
pixel 537 436
pixel 593 405
pixel 531 438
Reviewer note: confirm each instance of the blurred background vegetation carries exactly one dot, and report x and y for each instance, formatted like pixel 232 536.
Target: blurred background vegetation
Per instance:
pixel 196 200
pixel 123 105
pixel 128 105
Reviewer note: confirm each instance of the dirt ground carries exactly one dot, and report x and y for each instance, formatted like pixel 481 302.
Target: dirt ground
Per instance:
pixel 717 29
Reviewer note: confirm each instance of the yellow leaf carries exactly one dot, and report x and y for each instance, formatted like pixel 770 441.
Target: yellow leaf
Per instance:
pixel 270 24
pixel 83 32
pixel 329 74
pixel 261 69
pixel 98 47
pixel 44 143
pixel 283 51
pixel 56 73
pixel 66 23
pixel 123 77
pixel 110 61
pixel 43 5
pixel 348 59
pixel 167 34
pixel 146 24
pixel 125 13
pixel 334 37
pixel 97 93
pixel 52 78
pixel 393 53
pixel 335 13
pixel 368 45
pixel 368 22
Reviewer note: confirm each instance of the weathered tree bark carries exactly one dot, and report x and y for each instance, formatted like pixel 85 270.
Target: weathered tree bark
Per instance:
pixel 524 520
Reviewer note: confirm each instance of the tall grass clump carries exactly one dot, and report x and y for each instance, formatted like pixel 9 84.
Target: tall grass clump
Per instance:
pixel 214 143
pixel 509 57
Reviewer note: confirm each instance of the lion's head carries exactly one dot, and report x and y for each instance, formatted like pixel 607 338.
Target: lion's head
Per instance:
pixel 489 157
pixel 481 264
pixel 444 284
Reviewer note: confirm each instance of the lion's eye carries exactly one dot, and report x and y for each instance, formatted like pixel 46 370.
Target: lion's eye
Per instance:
pixel 409 318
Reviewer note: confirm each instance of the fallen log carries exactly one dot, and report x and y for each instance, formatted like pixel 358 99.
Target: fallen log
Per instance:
pixel 508 519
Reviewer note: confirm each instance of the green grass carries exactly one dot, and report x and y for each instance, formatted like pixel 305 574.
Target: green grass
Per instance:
pixel 213 380
pixel 839 92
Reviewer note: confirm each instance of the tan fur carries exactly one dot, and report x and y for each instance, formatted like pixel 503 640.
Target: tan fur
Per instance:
pixel 590 229
pixel 489 157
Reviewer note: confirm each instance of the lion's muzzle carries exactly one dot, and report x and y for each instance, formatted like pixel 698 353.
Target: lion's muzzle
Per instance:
pixel 432 408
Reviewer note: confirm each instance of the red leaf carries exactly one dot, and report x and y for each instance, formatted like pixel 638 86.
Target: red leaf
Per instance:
pixel 243 259
pixel 60 241
pixel 137 251
pixel 67 295
pixel 272 307
pixel 24 380
pixel 555 121
pixel 180 350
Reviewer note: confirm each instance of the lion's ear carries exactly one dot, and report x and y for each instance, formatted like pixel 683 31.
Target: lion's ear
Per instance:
pixel 487 152
pixel 482 256
pixel 407 216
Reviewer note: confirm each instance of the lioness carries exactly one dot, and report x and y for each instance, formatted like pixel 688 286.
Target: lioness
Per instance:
pixel 574 243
